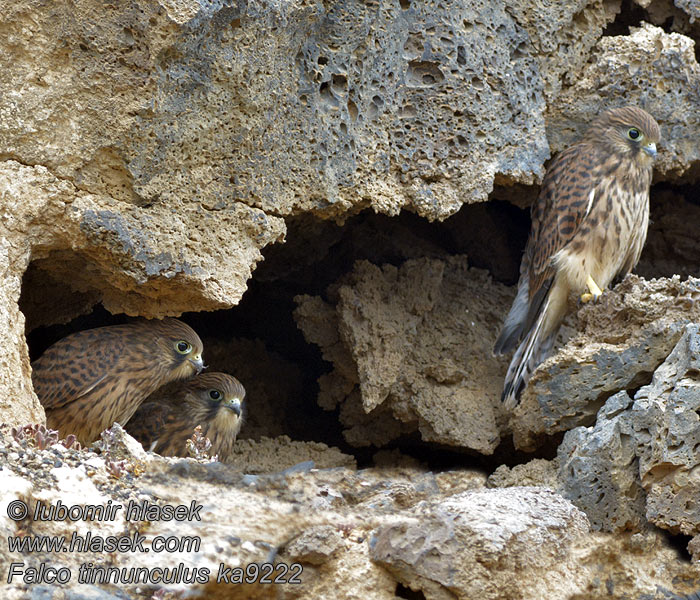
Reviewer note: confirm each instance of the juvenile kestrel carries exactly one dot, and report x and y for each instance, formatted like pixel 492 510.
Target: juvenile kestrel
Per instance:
pixel 165 422
pixel 589 225
pixel 92 378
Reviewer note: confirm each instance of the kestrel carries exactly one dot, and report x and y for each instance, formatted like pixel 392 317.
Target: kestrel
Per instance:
pixel 92 378
pixel 589 225
pixel 164 423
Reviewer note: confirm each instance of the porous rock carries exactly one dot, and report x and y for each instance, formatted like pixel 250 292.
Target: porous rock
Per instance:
pixel 315 546
pixel 537 472
pixel 275 454
pixel 667 431
pixel 485 544
pixel 504 543
pixel 411 347
pixel 646 68
pixel 620 342
pixel 599 469
pixel 639 462
pixel 352 104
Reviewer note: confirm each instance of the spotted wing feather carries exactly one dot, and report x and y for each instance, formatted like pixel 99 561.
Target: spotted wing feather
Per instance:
pixel 76 365
pixel 567 193
pixel 149 422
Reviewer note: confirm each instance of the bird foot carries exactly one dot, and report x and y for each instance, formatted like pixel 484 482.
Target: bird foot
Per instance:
pixel 594 291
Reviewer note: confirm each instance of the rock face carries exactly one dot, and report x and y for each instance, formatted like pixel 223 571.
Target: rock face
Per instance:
pixel 411 349
pixel 639 460
pixel 344 533
pixel 646 67
pixel 152 153
pixel 484 544
pixel 620 342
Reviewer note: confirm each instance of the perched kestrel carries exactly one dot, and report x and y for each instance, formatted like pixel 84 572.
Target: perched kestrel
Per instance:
pixel 165 422
pixel 589 225
pixel 92 378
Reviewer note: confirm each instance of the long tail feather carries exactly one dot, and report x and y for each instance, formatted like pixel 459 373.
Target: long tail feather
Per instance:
pixel 515 321
pixel 532 350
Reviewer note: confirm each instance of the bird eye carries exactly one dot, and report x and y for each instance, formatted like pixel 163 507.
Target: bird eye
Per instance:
pixel 215 394
pixel 634 134
pixel 183 347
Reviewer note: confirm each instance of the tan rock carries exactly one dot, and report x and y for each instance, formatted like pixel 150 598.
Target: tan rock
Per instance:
pixel 621 341
pixel 646 68
pixel 416 341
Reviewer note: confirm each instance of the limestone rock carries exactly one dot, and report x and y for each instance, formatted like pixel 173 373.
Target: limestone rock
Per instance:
pixel 638 462
pixel 180 102
pixel 354 533
pixel 667 431
pixel 621 341
pixel 537 472
pixel 411 348
pixel 646 68
pixel 599 469
pixel 315 546
pixel 275 454
pixel 485 544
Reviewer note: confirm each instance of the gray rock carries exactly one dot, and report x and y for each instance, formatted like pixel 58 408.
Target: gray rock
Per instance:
pixel 316 545
pixel 446 549
pixel 667 432
pixel 411 347
pixel 599 470
pixel 641 459
pixel 621 341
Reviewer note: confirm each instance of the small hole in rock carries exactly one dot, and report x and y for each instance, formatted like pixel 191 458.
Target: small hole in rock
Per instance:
pixel 405 592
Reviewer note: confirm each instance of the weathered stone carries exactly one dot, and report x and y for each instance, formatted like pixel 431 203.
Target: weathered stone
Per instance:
pixel 276 454
pixel 485 544
pixel 538 472
pixel 621 340
pixel 412 344
pixel 641 458
pixel 516 543
pixel 315 546
pixel 647 68
pixel 599 469
pixel 667 432
pixel 352 104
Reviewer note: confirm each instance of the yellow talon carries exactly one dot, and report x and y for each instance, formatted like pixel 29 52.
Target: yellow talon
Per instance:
pixel 595 291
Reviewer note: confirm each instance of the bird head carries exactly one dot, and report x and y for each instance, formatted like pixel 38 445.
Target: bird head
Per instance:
pixel 629 132
pixel 217 397
pixel 181 346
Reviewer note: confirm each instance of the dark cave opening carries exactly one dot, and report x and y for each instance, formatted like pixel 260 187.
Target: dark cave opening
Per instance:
pixel 259 342
pixel 679 542
pixel 406 592
pixel 630 15
pixel 666 15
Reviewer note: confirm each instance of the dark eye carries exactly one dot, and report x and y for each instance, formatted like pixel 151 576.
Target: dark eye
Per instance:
pixel 215 394
pixel 183 347
pixel 634 134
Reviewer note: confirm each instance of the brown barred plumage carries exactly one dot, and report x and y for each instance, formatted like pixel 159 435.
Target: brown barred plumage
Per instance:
pixel 167 420
pixel 589 225
pixel 92 378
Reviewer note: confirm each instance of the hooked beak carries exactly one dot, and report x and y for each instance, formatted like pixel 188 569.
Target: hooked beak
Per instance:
pixel 235 406
pixel 650 149
pixel 197 363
